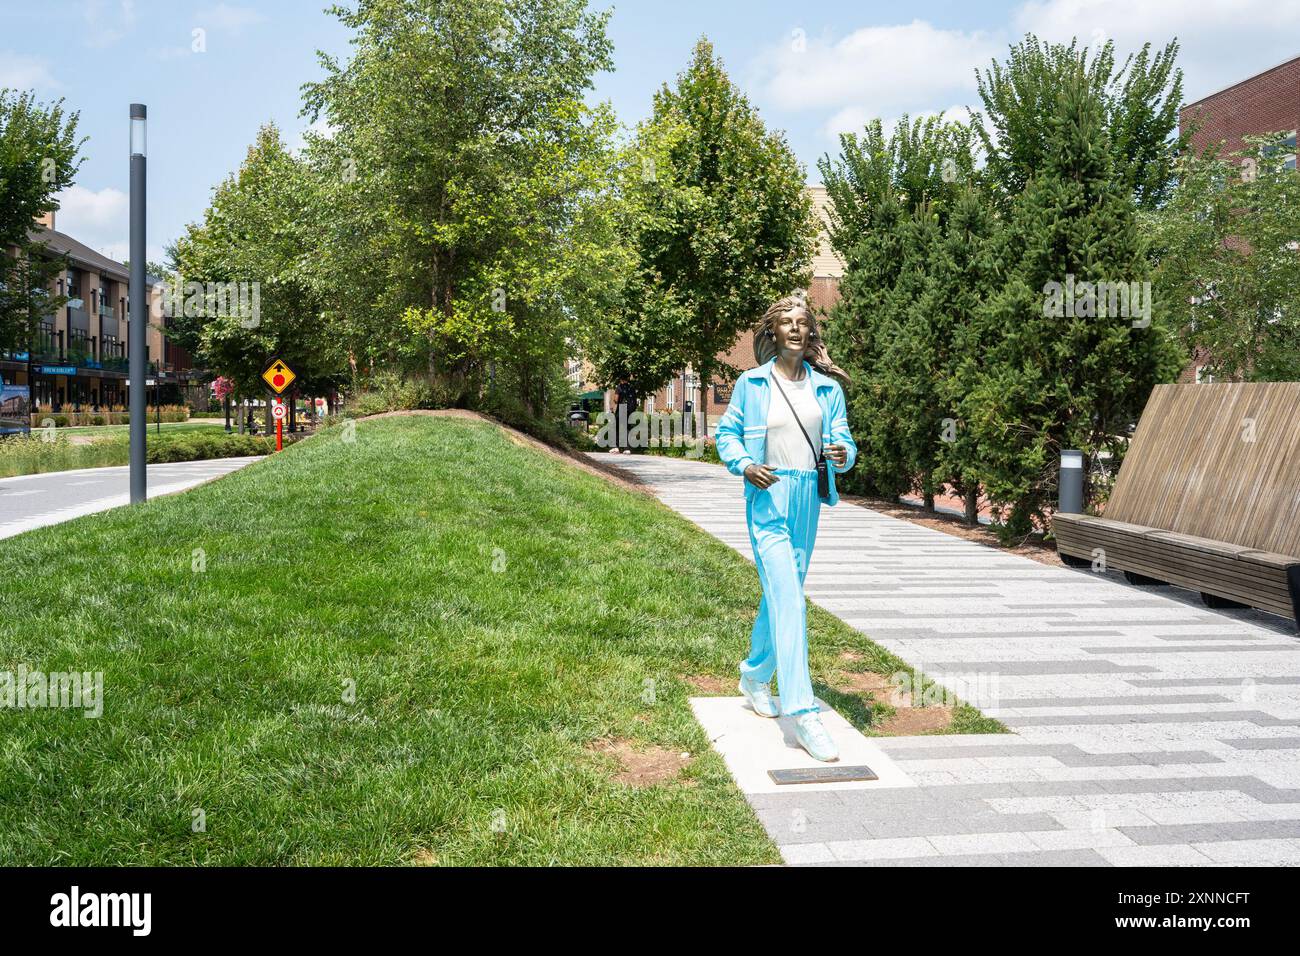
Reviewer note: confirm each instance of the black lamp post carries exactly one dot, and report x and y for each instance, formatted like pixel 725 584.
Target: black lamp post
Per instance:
pixel 138 306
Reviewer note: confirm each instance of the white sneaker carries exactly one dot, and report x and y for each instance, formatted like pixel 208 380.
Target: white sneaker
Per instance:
pixel 759 696
pixel 813 737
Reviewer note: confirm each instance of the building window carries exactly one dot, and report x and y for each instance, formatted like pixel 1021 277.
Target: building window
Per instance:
pixel 45 340
pixel 79 347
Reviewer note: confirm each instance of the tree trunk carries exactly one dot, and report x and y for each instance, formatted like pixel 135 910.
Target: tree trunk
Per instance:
pixel 972 504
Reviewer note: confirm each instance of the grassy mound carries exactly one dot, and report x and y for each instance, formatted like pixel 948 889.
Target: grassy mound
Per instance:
pixel 413 642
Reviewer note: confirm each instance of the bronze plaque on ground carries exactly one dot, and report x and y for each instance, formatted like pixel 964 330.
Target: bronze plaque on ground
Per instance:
pixel 822 774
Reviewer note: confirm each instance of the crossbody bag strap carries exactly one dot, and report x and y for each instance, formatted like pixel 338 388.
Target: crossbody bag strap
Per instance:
pixel 811 447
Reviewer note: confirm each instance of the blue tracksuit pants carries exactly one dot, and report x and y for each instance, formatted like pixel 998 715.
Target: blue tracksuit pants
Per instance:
pixel 782 529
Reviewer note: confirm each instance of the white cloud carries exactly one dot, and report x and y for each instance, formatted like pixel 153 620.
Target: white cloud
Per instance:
pixel 105 27
pixel 228 17
pixel 1222 41
pixel 877 70
pixel 21 72
pixel 83 211
pixel 916 68
pixel 100 219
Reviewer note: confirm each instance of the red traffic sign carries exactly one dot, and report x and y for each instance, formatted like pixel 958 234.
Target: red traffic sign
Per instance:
pixel 278 410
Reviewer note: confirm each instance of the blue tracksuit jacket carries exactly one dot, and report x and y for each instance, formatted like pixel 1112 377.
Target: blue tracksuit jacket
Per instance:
pixel 742 432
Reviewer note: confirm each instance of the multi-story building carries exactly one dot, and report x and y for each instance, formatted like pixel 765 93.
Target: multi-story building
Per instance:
pixel 77 359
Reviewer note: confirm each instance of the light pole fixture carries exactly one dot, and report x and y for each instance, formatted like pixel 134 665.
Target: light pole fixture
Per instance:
pixel 1070 484
pixel 137 306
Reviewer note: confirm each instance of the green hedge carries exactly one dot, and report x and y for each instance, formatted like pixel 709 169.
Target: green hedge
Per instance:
pixel 199 446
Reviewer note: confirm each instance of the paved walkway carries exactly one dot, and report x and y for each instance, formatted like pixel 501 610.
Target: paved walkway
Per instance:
pixel 1148 730
pixel 33 501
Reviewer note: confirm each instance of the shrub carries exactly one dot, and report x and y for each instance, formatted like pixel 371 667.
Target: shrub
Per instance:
pixel 202 446
pixel 391 392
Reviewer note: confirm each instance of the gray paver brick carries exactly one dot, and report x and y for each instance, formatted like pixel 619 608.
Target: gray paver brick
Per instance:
pixel 1150 674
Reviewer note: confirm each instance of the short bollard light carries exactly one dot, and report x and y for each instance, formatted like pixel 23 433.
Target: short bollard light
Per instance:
pixel 1071 482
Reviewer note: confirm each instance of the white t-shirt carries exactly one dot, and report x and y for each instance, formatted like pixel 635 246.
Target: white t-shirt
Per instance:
pixel 786 446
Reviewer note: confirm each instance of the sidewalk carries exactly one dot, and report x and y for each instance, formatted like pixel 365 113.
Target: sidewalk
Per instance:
pixel 33 501
pixel 1147 729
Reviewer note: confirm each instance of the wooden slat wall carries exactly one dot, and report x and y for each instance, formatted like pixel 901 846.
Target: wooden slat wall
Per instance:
pixel 1191 469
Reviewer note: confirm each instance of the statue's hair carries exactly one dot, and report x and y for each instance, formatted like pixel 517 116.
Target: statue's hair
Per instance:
pixel 814 353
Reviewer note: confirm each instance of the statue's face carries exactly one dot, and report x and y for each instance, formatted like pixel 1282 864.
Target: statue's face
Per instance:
pixel 793 331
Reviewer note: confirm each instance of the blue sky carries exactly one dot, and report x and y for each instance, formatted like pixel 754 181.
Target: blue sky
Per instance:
pixel 812 69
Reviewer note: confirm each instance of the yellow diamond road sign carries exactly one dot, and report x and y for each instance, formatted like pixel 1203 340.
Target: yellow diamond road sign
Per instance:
pixel 279 376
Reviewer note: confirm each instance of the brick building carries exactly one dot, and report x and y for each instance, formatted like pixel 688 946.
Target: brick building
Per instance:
pixel 1268 102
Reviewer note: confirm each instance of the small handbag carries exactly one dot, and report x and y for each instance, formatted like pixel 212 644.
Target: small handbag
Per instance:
pixel 823 476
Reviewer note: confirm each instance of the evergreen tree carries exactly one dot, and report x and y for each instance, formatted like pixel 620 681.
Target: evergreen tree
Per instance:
pixel 964 274
pixel 1139 106
pixel 857 334
pixel 910 369
pixel 1058 373
pixel 891 198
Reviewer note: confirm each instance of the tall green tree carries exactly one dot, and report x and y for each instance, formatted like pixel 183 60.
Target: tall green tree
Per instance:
pixel 39 156
pixel 1227 252
pixel 257 231
pixel 1058 373
pixel 635 340
pixel 893 328
pixel 928 160
pixel 964 273
pixel 1138 102
pixel 735 229
pixel 911 360
pixel 859 334
pixel 470 229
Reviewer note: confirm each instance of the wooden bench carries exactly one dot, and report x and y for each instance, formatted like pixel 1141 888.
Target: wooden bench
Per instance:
pixel 1208 498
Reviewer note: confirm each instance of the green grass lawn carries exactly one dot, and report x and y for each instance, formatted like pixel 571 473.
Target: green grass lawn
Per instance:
pixel 498 612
